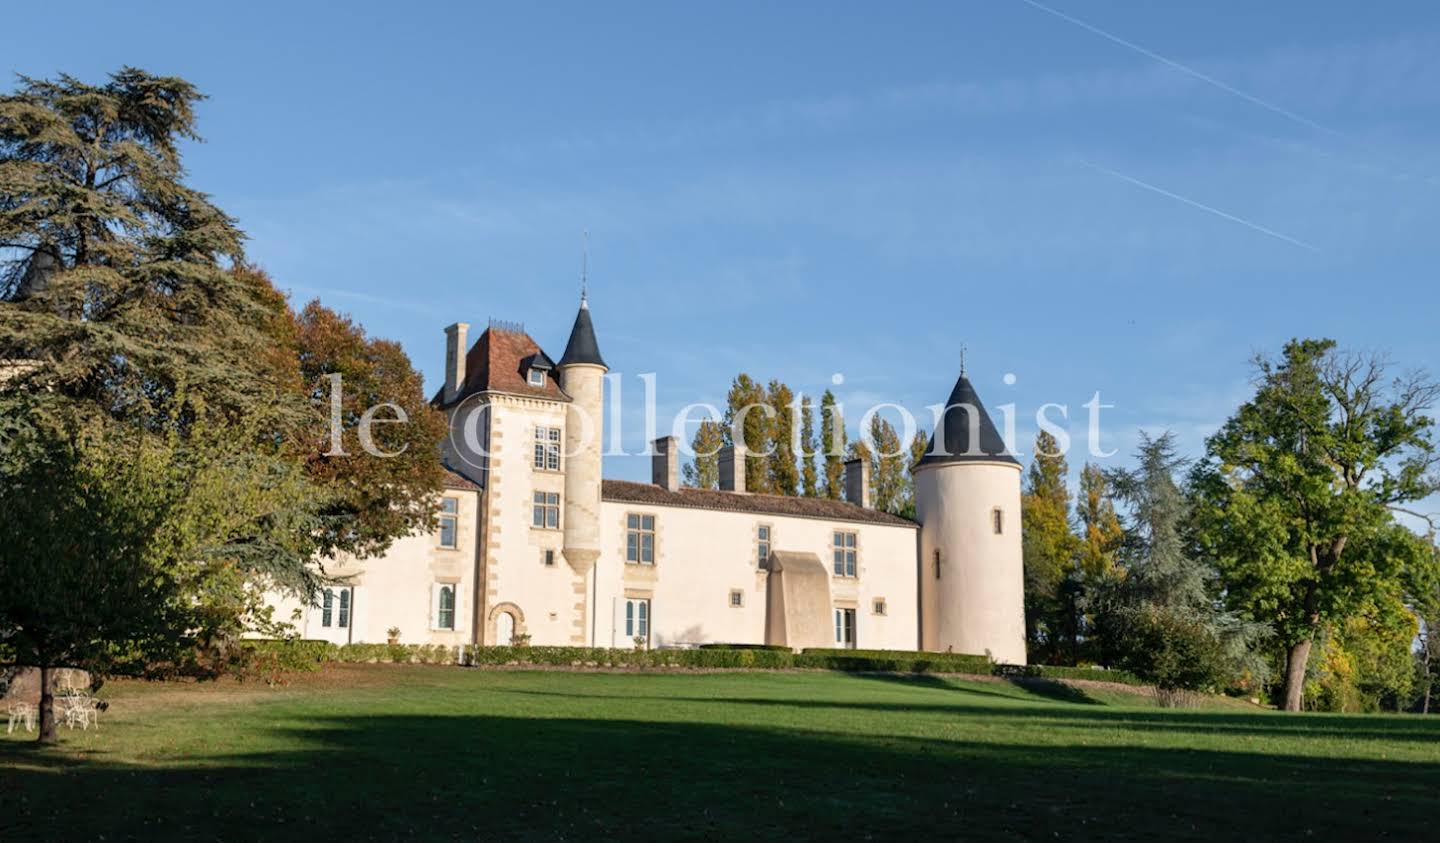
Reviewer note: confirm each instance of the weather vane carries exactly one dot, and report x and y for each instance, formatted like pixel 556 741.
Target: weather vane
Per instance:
pixel 584 262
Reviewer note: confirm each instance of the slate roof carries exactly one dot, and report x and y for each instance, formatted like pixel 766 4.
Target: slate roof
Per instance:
pixel 625 491
pixel 582 347
pixel 497 363
pixel 956 425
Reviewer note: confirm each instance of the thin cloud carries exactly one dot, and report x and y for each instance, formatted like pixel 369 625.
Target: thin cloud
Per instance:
pixel 1194 204
pixel 401 304
pixel 1183 68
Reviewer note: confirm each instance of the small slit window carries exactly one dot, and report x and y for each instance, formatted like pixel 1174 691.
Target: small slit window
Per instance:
pixel 997 520
pixel 737 598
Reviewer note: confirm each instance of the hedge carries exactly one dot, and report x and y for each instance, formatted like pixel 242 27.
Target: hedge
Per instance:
pixel 307 655
pixel 303 654
pixel 892 661
pixel 1045 671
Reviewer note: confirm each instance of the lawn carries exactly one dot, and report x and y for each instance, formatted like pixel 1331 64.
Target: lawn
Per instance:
pixel 379 752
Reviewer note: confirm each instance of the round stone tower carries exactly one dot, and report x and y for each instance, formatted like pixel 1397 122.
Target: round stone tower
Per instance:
pixel 582 376
pixel 972 581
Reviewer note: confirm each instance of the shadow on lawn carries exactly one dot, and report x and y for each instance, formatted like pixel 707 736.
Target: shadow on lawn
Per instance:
pixel 381 777
pixel 1258 724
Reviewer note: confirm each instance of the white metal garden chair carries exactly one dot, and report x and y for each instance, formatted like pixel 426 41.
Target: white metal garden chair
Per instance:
pixel 78 707
pixel 22 713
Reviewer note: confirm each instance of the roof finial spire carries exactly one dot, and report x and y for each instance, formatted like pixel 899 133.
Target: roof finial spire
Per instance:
pixel 584 266
pixel 962 359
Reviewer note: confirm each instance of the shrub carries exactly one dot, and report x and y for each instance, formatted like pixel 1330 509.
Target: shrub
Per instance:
pixel 270 659
pixel 1172 649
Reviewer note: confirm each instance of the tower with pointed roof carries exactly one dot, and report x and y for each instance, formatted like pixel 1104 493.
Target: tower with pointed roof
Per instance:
pixel 582 375
pixel 967 489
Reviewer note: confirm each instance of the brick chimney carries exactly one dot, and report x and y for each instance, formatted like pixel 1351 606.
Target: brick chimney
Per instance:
pixel 857 482
pixel 455 348
pixel 732 468
pixel 665 464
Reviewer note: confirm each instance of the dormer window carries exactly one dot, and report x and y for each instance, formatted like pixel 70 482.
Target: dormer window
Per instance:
pixel 536 369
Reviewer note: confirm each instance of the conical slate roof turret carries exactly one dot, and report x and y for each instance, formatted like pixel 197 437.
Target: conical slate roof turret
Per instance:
pixel 968 434
pixel 582 347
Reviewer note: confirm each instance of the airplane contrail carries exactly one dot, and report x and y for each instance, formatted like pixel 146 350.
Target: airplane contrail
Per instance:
pixel 1189 71
pixel 1208 209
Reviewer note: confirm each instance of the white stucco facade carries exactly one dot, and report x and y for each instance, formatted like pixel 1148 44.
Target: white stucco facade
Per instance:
pixel 539 545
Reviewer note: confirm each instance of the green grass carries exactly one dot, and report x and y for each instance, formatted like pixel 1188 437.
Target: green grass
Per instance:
pixel 380 752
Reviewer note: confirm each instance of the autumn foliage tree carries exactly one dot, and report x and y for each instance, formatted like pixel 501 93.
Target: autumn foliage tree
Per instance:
pixel 748 419
pixel 832 447
pixel 158 433
pixel 703 471
pixel 809 479
pixel 783 464
pixel 1049 547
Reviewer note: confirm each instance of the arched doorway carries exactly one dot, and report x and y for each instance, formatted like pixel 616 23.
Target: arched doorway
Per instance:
pixel 505 629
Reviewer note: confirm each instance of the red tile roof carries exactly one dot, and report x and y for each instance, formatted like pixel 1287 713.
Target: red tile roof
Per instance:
pixel 454 480
pixel 494 364
pixel 821 508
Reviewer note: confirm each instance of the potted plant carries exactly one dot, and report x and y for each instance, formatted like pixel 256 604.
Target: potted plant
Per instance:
pixel 394 633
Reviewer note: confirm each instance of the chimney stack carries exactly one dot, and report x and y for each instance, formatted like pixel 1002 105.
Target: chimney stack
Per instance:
pixel 455 348
pixel 732 468
pixel 857 482
pixel 665 464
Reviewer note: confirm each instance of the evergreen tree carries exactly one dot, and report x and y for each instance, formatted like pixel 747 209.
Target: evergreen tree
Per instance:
pixel 832 446
pixel 703 472
pixel 887 467
pixel 1049 549
pixel 809 483
pixel 1159 569
pixel 113 269
pixel 748 398
pixel 1164 605
pixel 784 471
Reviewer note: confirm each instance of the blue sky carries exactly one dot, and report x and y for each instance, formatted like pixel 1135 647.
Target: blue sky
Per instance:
pixel 794 190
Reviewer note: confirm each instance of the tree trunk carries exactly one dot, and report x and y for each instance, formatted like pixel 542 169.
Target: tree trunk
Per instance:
pixel 47 707
pixel 1295 661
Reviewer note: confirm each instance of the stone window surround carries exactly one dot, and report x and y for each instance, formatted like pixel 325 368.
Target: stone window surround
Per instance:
pixel 832 547
pixel 451 515
pixel 653 532
pixel 546 505
pixel 768 539
pixel 548 447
